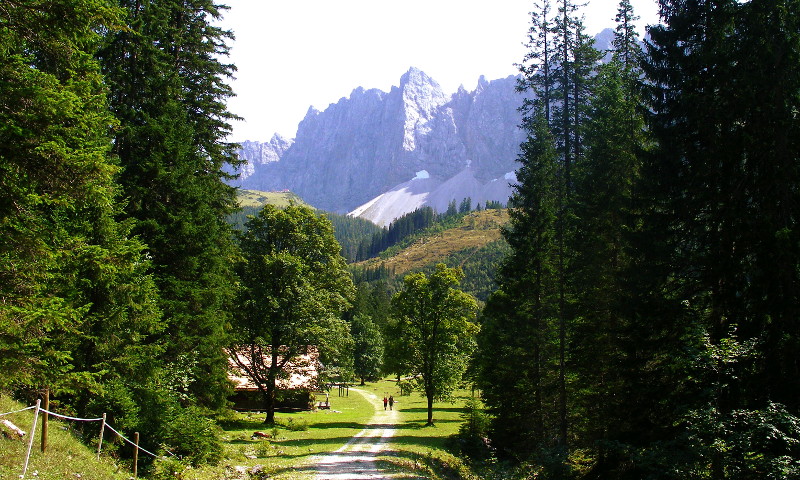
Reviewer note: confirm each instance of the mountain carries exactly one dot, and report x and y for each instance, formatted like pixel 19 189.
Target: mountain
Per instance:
pixel 382 154
pixel 378 155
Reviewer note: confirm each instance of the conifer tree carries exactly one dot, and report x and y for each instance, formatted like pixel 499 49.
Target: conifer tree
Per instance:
pixel 518 336
pixel 727 178
pixel 560 66
pixel 167 89
pixel 604 362
pixel 78 306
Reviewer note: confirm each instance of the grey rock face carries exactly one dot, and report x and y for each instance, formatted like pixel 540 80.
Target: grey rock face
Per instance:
pixel 257 154
pixel 364 145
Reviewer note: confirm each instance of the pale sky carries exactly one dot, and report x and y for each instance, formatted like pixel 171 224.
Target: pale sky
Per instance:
pixel 292 54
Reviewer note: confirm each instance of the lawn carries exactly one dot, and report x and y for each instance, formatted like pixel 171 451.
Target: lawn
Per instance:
pixel 302 436
pixel 290 451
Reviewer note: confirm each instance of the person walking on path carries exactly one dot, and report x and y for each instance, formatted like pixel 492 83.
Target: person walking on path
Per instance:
pixel 384 402
pixel 391 403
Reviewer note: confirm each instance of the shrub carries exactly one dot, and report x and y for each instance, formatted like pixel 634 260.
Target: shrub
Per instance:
pixel 187 433
pixel 298 425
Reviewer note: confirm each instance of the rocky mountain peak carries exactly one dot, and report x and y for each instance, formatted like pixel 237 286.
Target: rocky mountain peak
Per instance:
pixel 373 142
pixel 421 96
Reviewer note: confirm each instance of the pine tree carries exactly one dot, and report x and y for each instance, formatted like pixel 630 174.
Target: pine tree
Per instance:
pixel 559 69
pixel 78 304
pixel 167 89
pixel 727 178
pixel 603 362
pixel 518 337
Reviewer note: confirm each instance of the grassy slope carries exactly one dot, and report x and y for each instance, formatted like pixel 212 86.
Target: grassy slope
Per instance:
pixel 476 230
pixel 65 457
pixel 257 198
pixel 287 456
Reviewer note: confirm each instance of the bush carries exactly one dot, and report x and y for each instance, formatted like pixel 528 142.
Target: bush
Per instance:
pixel 190 435
pixel 298 425
pixel 472 439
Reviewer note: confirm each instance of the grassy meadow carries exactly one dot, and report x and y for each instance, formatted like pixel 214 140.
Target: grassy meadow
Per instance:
pixel 257 198
pixel 415 450
pixel 65 457
pixel 477 229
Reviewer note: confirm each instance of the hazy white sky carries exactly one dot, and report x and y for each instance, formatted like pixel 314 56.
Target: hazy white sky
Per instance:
pixel 292 54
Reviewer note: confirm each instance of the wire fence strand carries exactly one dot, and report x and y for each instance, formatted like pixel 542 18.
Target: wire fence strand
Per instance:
pixel 130 442
pixel 17 411
pixel 71 418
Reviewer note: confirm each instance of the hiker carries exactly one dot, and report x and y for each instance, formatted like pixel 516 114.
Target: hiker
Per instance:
pixel 385 402
pixel 391 403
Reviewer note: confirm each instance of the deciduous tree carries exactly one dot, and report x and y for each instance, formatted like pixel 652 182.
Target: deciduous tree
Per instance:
pixel 434 331
pixel 294 288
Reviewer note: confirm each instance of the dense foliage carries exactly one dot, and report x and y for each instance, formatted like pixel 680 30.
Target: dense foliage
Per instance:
pixel 646 313
pixel 399 229
pixel 433 331
pixel 295 286
pixel 116 260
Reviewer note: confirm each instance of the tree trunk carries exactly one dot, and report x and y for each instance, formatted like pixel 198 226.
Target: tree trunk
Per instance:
pixel 430 409
pixel 272 375
pixel 269 400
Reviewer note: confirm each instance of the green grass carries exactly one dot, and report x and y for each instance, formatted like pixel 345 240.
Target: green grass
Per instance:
pixel 65 457
pixel 289 456
pixel 257 198
pixel 415 451
pixel 416 448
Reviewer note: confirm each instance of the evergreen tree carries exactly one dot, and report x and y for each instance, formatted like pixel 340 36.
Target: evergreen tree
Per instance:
pixel 518 336
pixel 605 360
pixel 78 304
pixel 167 89
pixel 727 177
pixel 537 275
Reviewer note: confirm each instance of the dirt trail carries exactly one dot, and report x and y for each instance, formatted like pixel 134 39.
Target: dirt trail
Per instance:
pixel 355 459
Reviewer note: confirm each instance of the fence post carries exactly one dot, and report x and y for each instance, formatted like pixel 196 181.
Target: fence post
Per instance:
pixel 32 434
pixel 136 455
pixel 45 418
pixel 100 442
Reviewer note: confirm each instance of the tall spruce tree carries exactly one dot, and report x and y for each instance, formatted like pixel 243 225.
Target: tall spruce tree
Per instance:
pixel 605 357
pixel 536 277
pixel 728 190
pixel 78 306
pixel 518 338
pixel 167 89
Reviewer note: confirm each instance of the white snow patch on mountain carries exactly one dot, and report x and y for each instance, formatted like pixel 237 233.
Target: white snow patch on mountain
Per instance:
pixel 423 190
pixel 398 201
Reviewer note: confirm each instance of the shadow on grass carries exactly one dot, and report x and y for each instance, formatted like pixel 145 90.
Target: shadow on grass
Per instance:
pixel 244 424
pixel 435 409
pixel 329 425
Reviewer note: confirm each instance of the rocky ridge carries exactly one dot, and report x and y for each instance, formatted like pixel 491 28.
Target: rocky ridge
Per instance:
pixel 373 143
pixel 380 154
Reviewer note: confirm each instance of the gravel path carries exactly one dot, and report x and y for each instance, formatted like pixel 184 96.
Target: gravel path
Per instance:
pixel 356 459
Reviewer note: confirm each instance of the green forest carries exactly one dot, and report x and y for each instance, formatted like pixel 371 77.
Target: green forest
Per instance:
pixel 639 319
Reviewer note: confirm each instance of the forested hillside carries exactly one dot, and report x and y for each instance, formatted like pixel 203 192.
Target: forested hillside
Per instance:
pixel 471 241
